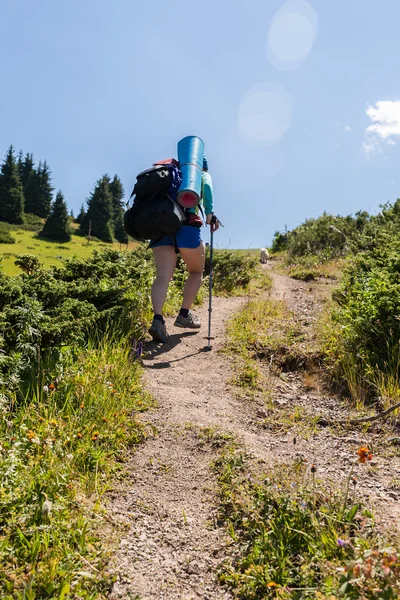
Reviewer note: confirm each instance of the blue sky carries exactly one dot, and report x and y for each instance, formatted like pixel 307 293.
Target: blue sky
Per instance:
pixel 297 102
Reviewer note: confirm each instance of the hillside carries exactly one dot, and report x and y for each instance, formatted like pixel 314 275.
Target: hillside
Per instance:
pixel 267 467
pixel 50 253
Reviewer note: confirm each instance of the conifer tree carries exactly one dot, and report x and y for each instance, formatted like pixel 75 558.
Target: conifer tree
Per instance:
pixel 11 195
pixel 20 163
pixel 26 168
pixel 39 191
pixel 32 191
pixel 80 215
pixel 57 225
pixel 119 229
pixel 99 215
pixel 46 192
pixel 118 193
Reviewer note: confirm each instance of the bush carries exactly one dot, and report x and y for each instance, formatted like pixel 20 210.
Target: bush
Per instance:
pixel 31 223
pixel 5 235
pixel 328 236
pixel 231 270
pixel 366 321
pixel 45 310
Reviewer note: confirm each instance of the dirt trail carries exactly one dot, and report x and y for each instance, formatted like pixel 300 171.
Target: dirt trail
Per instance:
pixel 173 547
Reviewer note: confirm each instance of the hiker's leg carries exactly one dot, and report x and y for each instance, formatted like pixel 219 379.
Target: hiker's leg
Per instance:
pixel 194 260
pixel 165 259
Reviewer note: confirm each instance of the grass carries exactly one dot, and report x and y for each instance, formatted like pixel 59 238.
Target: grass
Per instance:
pixel 58 450
pixel 262 330
pixel 310 267
pixel 295 539
pixel 49 253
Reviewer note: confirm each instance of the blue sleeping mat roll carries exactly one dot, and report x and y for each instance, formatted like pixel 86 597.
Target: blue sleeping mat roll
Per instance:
pixel 190 156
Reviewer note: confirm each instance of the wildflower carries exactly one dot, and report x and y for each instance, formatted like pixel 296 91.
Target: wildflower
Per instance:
pixel 82 406
pixel 79 435
pixel 368 568
pixel 53 422
pixel 364 454
pixel 95 436
pixel 341 543
pixel 46 389
pixel 386 570
pixel 105 420
pixel 52 387
pixel 313 468
pixel 271 584
pixel 30 435
pixel 354 481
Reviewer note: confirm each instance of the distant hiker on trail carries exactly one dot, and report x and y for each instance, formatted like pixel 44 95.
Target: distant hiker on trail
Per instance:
pixel 187 241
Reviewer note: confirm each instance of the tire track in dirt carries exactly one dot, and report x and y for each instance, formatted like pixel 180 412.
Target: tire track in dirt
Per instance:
pixel 173 547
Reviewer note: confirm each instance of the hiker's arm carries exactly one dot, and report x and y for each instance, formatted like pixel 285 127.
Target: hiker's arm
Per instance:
pixel 208 202
pixel 208 198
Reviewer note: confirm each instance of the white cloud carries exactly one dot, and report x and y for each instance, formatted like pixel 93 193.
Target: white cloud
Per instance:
pixel 347 127
pixel 385 117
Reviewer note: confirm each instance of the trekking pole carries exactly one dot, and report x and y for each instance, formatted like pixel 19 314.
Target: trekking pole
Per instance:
pixel 209 338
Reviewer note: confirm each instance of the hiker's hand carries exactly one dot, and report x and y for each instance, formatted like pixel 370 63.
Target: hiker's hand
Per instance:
pixel 213 222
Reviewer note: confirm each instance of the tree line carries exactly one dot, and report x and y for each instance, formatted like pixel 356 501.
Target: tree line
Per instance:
pixel 25 189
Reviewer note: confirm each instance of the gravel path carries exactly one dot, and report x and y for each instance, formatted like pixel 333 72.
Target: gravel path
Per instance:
pixel 173 547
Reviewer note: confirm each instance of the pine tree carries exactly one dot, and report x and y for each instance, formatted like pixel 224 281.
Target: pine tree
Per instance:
pixel 46 192
pixel 20 163
pixel 119 229
pixel 118 192
pixel 99 215
pixel 57 225
pixel 26 168
pixel 80 216
pixel 11 195
pixel 32 191
pixel 39 191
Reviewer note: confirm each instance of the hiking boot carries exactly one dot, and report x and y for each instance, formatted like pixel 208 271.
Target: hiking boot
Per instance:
pixel 189 322
pixel 158 331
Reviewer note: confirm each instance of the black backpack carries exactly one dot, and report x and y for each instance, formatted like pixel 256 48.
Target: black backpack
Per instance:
pixel 154 212
pixel 153 218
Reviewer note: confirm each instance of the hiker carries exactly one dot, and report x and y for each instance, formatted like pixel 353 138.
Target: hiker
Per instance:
pixel 187 241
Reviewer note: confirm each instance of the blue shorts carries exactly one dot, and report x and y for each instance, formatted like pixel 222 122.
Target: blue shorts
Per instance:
pixel 187 237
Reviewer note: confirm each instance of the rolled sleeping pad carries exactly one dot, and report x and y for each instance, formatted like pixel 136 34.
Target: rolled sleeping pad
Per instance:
pixel 190 156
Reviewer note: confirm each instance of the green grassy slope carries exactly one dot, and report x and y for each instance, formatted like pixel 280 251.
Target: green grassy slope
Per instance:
pixel 49 253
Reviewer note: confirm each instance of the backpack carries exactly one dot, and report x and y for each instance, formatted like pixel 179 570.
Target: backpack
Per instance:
pixel 154 212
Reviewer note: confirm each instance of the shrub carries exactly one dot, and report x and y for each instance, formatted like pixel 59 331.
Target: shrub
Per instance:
pixel 231 270
pixel 5 235
pixel 31 223
pixel 366 320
